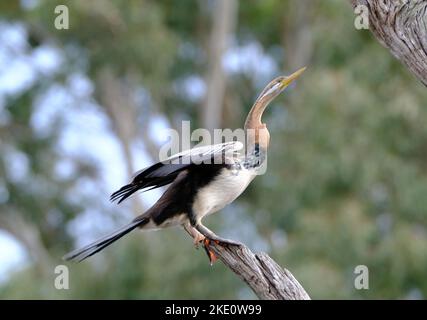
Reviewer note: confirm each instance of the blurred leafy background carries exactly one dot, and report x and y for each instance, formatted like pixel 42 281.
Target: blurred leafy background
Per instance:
pixel 82 109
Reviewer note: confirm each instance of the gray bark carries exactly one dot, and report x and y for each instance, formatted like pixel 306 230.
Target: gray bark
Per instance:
pixel 262 274
pixel 401 26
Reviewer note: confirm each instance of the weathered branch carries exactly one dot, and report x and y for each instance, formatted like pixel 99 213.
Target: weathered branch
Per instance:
pixel 263 275
pixel 401 26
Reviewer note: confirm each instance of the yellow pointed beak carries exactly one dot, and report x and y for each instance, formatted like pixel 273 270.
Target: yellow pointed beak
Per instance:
pixel 288 80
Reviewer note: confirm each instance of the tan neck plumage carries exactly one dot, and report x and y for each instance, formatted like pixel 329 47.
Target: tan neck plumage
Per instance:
pixel 254 125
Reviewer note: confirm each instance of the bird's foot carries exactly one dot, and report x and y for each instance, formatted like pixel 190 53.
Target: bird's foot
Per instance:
pixel 211 255
pixel 223 242
pixel 212 237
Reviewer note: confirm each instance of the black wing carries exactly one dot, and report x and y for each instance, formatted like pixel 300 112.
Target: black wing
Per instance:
pixel 165 172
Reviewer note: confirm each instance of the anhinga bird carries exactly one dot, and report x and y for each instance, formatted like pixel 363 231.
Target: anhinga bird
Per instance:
pixel 197 189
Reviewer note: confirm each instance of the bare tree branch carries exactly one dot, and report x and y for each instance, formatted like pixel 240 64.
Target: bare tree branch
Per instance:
pixel 262 274
pixel 401 26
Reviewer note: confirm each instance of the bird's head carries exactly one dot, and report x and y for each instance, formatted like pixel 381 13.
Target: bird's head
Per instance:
pixel 271 91
pixel 277 85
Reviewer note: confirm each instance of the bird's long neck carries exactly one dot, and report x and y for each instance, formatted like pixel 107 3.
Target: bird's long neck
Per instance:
pixel 257 132
pixel 253 120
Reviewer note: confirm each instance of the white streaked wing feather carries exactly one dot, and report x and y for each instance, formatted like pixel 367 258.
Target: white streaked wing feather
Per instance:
pixel 217 149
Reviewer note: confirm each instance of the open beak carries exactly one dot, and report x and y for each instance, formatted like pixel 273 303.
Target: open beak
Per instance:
pixel 288 80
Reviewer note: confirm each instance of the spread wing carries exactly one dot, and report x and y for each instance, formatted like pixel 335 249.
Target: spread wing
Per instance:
pixel 165 172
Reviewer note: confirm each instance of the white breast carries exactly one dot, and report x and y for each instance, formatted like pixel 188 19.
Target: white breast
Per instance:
pixel 226 187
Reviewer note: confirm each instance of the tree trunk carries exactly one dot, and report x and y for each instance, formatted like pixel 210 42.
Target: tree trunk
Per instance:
pixel 297 34
pixel 401 26
pixel 119 107
pixel 224 19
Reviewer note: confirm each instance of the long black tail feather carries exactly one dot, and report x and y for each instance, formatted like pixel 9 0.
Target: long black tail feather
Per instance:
pixel 89 250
